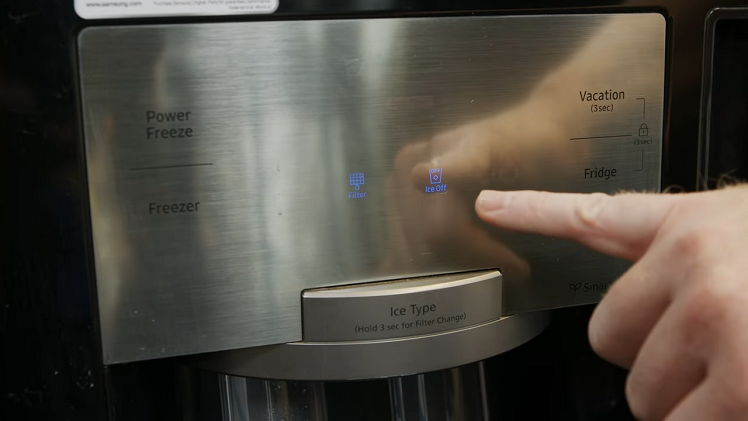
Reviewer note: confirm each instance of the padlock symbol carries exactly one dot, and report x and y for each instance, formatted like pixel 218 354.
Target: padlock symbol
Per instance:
pixel 643 130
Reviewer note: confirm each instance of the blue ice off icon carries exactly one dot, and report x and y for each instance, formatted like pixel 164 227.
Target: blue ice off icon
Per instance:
pixel 435 175
pixel 356 179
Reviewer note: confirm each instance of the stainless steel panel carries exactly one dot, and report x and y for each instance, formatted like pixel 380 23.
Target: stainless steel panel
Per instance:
pixel 333 361
pixel 384 310
pixel 220 159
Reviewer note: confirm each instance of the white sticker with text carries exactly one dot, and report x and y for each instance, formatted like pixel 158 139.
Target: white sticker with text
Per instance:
pixel 114 9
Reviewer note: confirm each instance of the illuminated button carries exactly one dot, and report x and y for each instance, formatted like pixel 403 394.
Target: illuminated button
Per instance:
pixel 435 175
pixel 356 180
pixel 435 178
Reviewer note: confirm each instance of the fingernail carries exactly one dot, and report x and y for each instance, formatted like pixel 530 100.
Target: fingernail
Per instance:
pixel 490 201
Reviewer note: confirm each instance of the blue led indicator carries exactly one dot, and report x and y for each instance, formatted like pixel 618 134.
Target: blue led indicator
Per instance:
pixel 356 180
pixel 435 175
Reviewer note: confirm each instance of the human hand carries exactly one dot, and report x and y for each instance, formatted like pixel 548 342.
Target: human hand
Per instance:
pixel 512 149
pixel 678 319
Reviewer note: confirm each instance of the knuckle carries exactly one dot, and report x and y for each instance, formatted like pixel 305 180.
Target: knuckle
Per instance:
pixel 537 207
pixel 637 401
pixel 603 335
pixel 733 391
pixel 692 244
pixel 705 312
pixel 590 210
pixel 599 341
pixel 741 396
pixel 738 392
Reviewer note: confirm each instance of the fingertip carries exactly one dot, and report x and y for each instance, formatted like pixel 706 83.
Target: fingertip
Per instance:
pixel 593 332
pixel 598 339
pixel 491 201
pixel 602 343
pixel 480 202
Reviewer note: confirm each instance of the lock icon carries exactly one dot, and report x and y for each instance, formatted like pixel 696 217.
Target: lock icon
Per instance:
pixel 643 130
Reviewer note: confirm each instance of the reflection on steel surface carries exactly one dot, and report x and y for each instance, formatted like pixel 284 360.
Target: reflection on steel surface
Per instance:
pixel 219 159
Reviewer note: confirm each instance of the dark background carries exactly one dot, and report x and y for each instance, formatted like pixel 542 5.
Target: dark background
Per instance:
pixel 728 151
pixel 50 352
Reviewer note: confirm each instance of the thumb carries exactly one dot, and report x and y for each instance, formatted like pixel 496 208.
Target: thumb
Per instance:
pixel 622 226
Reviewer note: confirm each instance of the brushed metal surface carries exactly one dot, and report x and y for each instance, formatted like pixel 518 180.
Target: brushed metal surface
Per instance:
pixel 385 310
pixel 335 361
pixel 207 226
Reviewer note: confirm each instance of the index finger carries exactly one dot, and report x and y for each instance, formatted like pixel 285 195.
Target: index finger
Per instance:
pixel 623 225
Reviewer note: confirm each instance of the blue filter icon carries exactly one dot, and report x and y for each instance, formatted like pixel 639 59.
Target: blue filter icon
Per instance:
pixel 435 175
pixel 356 180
